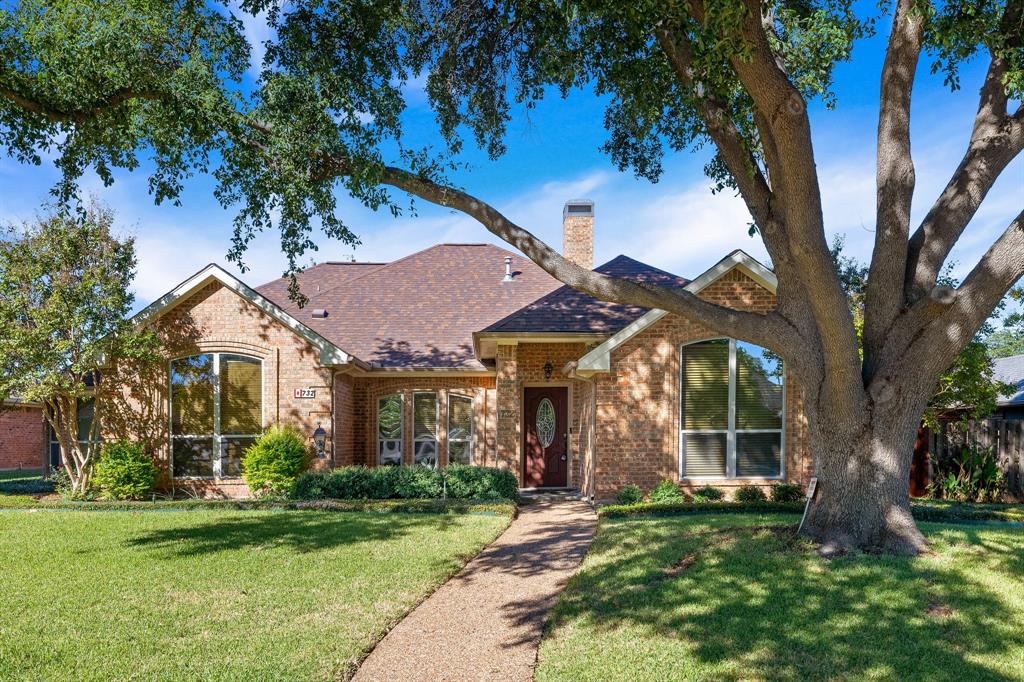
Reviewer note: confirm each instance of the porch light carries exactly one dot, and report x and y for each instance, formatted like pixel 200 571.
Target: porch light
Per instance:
pixel 549 369
pixel 320 441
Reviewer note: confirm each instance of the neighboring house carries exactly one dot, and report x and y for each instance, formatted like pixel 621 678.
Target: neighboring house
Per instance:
pixel 22 435
pixel 467 353
pixel 1011 371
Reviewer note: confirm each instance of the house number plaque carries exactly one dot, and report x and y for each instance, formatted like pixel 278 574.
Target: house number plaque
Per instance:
pixel 305 393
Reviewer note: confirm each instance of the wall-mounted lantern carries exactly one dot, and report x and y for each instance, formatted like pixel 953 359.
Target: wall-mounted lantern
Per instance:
pixel 320 441
pixel 549 369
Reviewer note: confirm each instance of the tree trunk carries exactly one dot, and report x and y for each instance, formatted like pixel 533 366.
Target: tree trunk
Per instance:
pixel 862 499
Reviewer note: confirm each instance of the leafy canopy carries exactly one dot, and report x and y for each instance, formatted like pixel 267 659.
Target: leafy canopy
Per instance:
pixel 103 85
pixel 65 295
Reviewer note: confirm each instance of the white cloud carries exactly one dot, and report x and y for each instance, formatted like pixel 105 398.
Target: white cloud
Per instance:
pixel 257 32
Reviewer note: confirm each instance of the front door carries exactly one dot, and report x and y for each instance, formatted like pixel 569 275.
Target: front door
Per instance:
pixel 546 437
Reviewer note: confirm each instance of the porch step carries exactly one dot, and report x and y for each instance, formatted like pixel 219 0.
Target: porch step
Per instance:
pixel 539 495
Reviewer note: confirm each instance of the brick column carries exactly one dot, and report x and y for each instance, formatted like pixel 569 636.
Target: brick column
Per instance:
pixel 509 408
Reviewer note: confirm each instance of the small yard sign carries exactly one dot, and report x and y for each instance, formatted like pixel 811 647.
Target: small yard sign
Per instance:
pixel 305 393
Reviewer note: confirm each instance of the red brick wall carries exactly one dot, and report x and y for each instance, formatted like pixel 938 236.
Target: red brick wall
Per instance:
pixel 22 435
pixel 216 319
pixel 637 437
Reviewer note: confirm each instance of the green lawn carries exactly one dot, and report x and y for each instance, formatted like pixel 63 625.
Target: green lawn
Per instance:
pixel 215 595
pixel 738 598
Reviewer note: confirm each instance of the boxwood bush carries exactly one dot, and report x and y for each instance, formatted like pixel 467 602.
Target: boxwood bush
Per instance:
pixel 460 482
pixel 749 493
pixel 630 494
pixel 787 492
pixel 124 472
pixel 271 464
pixel 666 491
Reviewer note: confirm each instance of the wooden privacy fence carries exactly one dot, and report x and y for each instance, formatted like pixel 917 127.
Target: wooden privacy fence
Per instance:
pixel 1004 436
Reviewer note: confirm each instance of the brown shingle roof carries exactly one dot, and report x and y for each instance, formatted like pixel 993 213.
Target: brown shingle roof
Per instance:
pixel 323 275
pixel 566 310
pixel 419 311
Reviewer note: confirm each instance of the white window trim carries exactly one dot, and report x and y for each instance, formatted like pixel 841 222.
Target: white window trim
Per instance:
pixel 469 439
pixel 731 430
pixel 401 428
pixel 219 439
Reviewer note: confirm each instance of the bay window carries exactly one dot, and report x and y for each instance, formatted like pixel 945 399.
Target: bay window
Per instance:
pixel 216 413
pixel 424 409
pixel 460 429
pixel 732 403
pixel 389 430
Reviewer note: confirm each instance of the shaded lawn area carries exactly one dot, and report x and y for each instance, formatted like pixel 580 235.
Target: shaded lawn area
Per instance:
pixel 245 595
pixel 738 597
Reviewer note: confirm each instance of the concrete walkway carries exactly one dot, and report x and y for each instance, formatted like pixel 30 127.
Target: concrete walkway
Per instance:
pixel 486 622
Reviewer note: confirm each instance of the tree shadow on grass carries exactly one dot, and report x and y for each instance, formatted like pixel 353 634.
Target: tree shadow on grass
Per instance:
pixel 755 602
pixel 299 531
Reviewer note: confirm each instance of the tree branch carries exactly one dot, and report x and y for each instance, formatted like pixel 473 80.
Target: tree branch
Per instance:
pixel 769 330
pixel 79 116
pixel 996 139
pixel 999 269
pixel 894 177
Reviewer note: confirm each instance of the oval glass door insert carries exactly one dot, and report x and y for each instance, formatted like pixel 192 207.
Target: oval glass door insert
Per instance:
pixel 546 423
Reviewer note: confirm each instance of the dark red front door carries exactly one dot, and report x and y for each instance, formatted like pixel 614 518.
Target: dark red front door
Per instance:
pixel 546 437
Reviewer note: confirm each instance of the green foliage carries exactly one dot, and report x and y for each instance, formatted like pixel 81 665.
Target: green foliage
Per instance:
pixel 630 494
pixel 125 472
pixel 666 491
pixel 273 463
pixel 480 483
pixel 1003 343
pixel 18 483
pixel 65 299
pixel 708 494
pixel 969 475
pixel 415 482
pixel 695 507
pixel 787 492
pixel 749 493
pixel 62 483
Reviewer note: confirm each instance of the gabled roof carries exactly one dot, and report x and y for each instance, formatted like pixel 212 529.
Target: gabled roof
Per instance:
pixel 1011 371
pixel 599 359
pixel 330 354
pixel 317 278
pixel 419 312
pixel 567 311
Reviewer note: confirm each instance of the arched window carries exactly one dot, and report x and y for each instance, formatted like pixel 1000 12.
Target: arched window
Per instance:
pixel 460 429
pixel 216 413
pixel 732 405
pixel 389 430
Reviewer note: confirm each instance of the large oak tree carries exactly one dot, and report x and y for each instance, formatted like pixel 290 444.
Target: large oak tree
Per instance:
pixel 102 84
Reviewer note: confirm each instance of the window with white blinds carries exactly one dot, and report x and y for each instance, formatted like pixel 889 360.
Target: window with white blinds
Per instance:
pixel 460 429
pixel 216 413
pixel 424 409
pixel 732 403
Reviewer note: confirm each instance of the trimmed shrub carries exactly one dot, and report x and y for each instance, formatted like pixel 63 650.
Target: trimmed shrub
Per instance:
pixel 26 486
pixel 124 472
pixel 787 492
pixel 708 494
pixel 61 481
pixel 630 494
pixel 272 464
pixel 461 482
pixel 481 483
pixel 749 493
pixel 666 491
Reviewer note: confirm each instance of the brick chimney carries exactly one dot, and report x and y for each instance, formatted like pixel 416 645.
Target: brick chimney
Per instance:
pixel 578 232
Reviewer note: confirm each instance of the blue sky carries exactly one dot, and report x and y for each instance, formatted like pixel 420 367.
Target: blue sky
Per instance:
pixel 676 224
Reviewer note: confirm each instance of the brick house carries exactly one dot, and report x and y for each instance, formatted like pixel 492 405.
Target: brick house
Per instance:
pixel 467 353
pixel 22 436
